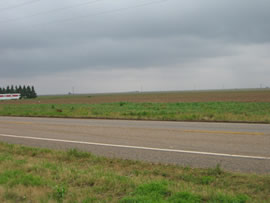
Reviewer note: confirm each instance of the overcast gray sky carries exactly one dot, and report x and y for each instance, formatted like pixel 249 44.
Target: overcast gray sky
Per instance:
pixel 129 45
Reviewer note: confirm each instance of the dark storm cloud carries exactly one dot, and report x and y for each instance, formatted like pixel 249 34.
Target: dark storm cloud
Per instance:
pixel 165 34
pixel 107 54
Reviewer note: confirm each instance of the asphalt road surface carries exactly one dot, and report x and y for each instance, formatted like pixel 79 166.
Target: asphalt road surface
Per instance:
pixel 236 147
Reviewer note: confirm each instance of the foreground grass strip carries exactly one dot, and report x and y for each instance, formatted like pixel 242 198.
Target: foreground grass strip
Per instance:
pixel 41 175
pixel 200 111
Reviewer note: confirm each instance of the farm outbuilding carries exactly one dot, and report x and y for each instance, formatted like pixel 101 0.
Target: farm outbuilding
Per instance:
pixel 10 96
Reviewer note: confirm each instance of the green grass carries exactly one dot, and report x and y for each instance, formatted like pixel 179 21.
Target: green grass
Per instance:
pixel 41 175
pixel 200 111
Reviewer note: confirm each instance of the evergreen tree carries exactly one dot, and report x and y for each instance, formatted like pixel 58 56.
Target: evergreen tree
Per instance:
pixel 8 90
pixel 28 92
pixel 20 89
pixel 33 92
pixel 16 89
pixel 23 92
pixel 12 89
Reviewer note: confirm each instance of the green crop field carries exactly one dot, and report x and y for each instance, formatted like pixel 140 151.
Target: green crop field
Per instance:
pixel 41 175
pixel 195 111
pixel 248 105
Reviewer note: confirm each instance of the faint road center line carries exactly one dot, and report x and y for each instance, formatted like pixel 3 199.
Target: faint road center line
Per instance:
pixel 17 122
pixel 179 130
pixel 223 132
pixel 137 147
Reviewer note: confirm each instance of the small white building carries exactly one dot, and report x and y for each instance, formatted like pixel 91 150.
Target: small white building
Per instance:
pixel 10 96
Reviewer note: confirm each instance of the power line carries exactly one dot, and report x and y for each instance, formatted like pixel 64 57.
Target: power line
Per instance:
pixel 103 13
pixel 19 5
pixel 123 9
pixel 51 11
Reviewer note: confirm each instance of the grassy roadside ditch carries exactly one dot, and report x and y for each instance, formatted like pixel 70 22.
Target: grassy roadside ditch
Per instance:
pixel 42 175
pixel 196 111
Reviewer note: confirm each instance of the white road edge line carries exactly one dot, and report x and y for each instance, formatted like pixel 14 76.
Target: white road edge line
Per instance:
pixel 137 147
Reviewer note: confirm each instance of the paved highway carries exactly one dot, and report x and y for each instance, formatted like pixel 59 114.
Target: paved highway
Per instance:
pixel 236 147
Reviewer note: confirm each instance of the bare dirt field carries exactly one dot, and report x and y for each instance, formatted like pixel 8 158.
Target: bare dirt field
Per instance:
pixel 253 95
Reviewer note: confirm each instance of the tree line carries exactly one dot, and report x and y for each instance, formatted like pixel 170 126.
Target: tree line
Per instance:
pixel 25 91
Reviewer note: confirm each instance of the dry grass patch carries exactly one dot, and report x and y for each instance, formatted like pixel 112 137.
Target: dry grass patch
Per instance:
pixel 39 175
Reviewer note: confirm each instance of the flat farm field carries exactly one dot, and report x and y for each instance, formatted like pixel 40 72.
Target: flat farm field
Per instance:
pixel 224 106
pixel 252 95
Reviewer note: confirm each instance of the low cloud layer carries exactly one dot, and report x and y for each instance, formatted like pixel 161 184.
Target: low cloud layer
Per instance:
pixel 127 45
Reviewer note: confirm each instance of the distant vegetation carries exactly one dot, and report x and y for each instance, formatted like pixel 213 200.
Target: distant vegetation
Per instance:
pixel 25 91
pixel 42 175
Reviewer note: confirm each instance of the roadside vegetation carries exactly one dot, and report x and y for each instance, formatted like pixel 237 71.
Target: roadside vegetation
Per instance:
pixel 196 111
pixel 42 175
